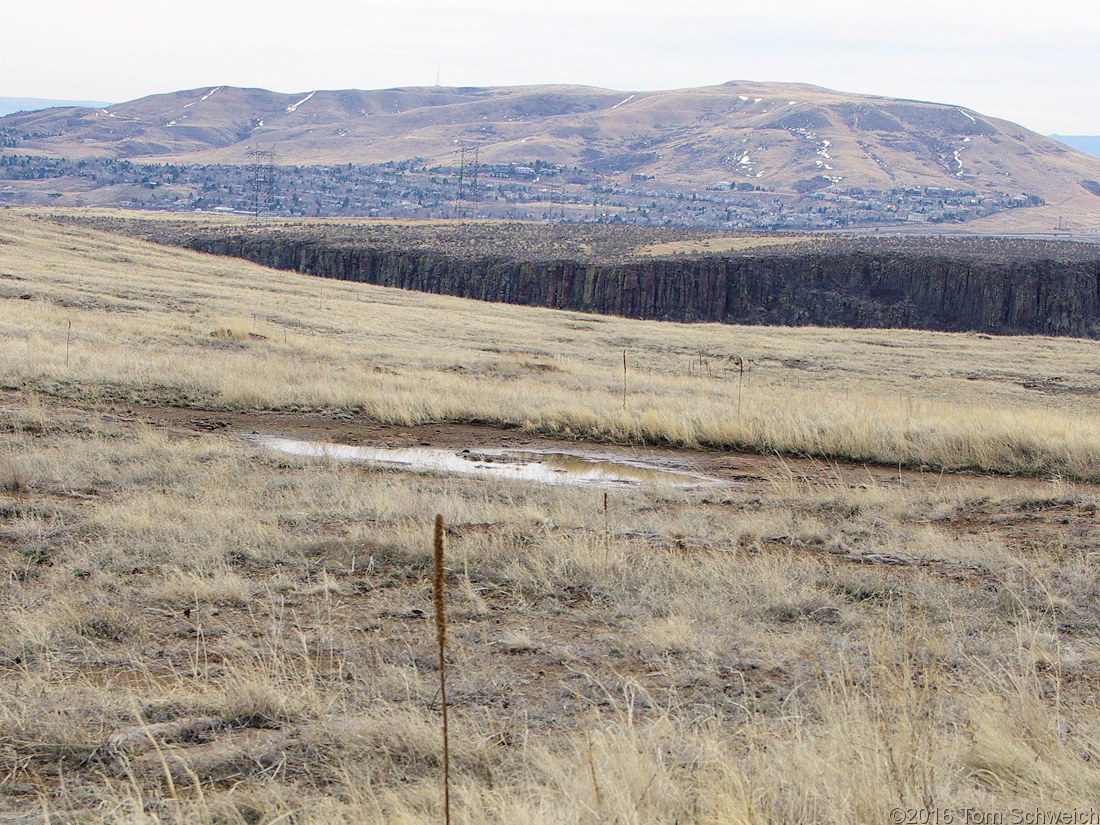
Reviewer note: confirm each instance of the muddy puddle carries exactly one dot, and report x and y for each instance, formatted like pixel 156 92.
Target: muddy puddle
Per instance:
pixel 518 465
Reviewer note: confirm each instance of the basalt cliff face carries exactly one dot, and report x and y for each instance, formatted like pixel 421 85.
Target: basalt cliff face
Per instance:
pixel 1001 286
pixel 858 289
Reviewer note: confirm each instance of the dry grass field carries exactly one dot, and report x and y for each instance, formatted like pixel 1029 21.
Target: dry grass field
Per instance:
pixel 892 605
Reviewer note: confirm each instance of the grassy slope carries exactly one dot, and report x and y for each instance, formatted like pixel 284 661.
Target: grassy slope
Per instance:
pixel 196 631
pixel 158 325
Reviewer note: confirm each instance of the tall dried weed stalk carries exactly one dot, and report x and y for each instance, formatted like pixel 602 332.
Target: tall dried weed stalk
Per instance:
pixel 740 363
pixel 624 379
pixel 439 600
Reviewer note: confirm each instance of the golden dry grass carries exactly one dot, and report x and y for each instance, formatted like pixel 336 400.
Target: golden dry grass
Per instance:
pixel 154 325
pixel 197 631
pixel 268 619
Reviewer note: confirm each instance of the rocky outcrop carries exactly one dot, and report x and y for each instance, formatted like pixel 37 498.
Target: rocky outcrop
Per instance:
pixel 856 287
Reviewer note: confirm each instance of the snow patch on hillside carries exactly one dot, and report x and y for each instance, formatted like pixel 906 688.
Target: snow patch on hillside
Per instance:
pixel 958 160
pixel 293 107
pixel 206 96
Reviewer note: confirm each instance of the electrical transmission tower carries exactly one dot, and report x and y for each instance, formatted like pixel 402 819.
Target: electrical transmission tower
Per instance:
pixel 466 195
pixel 262 181
pixel 595 192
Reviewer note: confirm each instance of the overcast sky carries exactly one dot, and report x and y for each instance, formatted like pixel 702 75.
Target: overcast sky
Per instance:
pixel 1034 63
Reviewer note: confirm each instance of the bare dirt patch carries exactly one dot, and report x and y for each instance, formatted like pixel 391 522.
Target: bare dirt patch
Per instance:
pixel 1024 513
pixel 744 468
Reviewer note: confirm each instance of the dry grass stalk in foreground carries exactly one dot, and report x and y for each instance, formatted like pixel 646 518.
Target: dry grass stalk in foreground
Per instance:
pixel 439 598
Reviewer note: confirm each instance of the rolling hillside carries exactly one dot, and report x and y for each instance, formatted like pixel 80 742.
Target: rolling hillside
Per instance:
pixel 792 140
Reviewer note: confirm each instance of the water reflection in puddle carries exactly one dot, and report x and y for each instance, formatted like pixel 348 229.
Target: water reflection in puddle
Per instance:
pixel 520 465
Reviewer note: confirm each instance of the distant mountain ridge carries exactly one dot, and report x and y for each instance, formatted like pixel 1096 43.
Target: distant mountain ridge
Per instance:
pixel 1086 143
pixel 801 142
pixel 8 105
